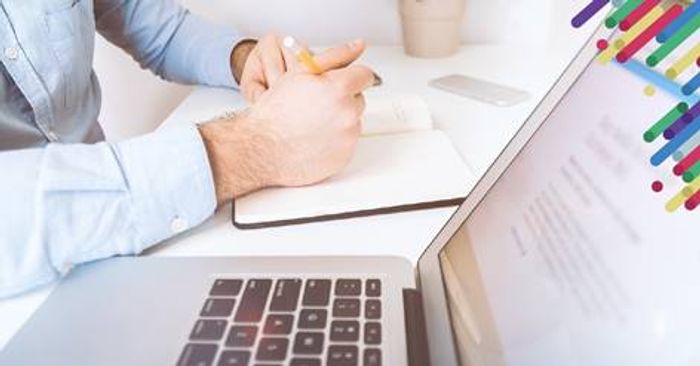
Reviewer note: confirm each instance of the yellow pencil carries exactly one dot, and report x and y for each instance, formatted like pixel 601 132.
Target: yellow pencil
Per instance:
pixel 303 55
pixel 307 58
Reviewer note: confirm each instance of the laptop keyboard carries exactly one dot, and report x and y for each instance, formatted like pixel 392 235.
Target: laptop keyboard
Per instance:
pixel 293 322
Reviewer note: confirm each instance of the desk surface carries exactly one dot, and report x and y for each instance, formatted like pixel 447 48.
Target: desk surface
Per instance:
pixel 479 131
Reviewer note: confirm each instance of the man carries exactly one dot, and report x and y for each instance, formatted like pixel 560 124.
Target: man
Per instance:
pixel 68 198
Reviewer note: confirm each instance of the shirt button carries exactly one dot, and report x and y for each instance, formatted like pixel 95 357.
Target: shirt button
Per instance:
pixel 11 53
pixel 178 225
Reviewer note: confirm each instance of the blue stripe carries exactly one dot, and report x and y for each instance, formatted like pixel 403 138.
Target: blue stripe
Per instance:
pixel 672 28
pixel 653 77
pixel 691 86
pixel 676 143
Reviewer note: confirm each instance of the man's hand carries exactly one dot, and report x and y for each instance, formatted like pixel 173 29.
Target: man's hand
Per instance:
pixel 286 140
pixel 257 67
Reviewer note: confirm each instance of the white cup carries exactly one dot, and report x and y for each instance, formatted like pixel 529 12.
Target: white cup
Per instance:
pixel 431 28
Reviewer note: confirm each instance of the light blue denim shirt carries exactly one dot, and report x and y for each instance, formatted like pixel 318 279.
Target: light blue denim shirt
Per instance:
pixel 65 197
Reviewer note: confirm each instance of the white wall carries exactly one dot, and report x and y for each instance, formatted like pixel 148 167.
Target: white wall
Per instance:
pixel 136 102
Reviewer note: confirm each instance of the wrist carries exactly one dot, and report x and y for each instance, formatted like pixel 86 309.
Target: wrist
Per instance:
pixel 239 57
pixel 236 156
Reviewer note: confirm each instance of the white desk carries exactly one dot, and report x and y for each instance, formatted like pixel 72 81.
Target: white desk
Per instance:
pixel 478 130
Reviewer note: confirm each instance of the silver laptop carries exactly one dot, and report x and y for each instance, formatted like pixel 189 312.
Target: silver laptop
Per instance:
pixel 562 255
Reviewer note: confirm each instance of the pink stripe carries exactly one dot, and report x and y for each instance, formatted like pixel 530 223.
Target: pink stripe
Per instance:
pixel 638 14
pixel 649 33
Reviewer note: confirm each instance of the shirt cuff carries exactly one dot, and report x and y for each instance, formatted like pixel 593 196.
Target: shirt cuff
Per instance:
pixel 210 45
pixel 170 180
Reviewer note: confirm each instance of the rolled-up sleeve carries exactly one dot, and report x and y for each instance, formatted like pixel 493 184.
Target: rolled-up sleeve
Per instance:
pixel 69 204
pixel 164 37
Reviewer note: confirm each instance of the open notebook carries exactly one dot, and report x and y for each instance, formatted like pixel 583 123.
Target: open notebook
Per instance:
pixel 401 164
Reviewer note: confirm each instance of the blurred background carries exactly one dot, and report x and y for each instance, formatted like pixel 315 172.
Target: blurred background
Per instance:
pixel 135 101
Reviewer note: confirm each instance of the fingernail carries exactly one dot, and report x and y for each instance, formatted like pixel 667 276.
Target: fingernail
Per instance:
pixel 377 79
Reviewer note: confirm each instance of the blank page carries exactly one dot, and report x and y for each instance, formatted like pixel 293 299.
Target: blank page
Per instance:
pixel 402 171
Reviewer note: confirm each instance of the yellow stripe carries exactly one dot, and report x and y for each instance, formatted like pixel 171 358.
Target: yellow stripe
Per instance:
pixel 644 23
pixel 679 199
pixel 682 64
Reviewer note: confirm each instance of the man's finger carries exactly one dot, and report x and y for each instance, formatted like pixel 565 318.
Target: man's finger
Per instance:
pixel 342 56
pixel 290 60
pixel 354 79
pixel 360 103
pixel 273 62
pixel 253 91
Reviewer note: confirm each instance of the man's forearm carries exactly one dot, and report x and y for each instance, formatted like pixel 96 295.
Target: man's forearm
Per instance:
pixel 68 204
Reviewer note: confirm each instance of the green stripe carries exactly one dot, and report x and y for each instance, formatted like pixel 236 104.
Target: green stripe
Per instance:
pixel 692 173
pixel 674 41
pixel 621 13
pixel 659 127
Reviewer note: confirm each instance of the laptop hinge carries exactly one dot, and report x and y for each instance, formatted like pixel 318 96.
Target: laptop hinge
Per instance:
pixel 416 332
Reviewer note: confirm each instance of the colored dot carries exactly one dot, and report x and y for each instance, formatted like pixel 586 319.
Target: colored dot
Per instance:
pixel 602 44
pixel 657 186
pixel 691 205
pixel 649 90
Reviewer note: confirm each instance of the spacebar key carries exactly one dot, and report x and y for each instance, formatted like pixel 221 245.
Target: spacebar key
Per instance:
pixel 253 301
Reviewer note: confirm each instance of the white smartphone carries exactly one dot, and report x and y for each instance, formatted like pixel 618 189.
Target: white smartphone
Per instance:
pixel 481 90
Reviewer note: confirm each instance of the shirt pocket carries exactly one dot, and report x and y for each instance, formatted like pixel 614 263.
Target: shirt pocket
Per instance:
pixel 71 36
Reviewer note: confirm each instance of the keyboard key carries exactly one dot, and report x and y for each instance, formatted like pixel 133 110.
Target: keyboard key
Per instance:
pixel 345 331
pixel 278 324
pixel 342 356
pixel 373 309
pixel 234 358
pixel 317 292
pixel 198 354
pixel 226 288
pixel 372 357
pixel 286 295
pixel 218 308
pixel 208 330
pixel 253 301
pixel 241 336
pixel 373 333
pixel 305 362
pixel 346 308
pixel 344 287
pixel 313 319
pixel 308 343
pixel 373 288
pixel 272 349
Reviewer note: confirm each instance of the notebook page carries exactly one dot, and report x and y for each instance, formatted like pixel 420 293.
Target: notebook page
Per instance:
pixel 390 114
pixel 386 171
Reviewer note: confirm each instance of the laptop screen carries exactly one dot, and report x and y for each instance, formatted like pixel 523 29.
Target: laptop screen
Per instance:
pixel 587 249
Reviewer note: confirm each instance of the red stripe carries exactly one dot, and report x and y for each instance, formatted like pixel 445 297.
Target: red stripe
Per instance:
pixel 638 14
pixel 649 33
pixel 687 162
pixel 693 202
